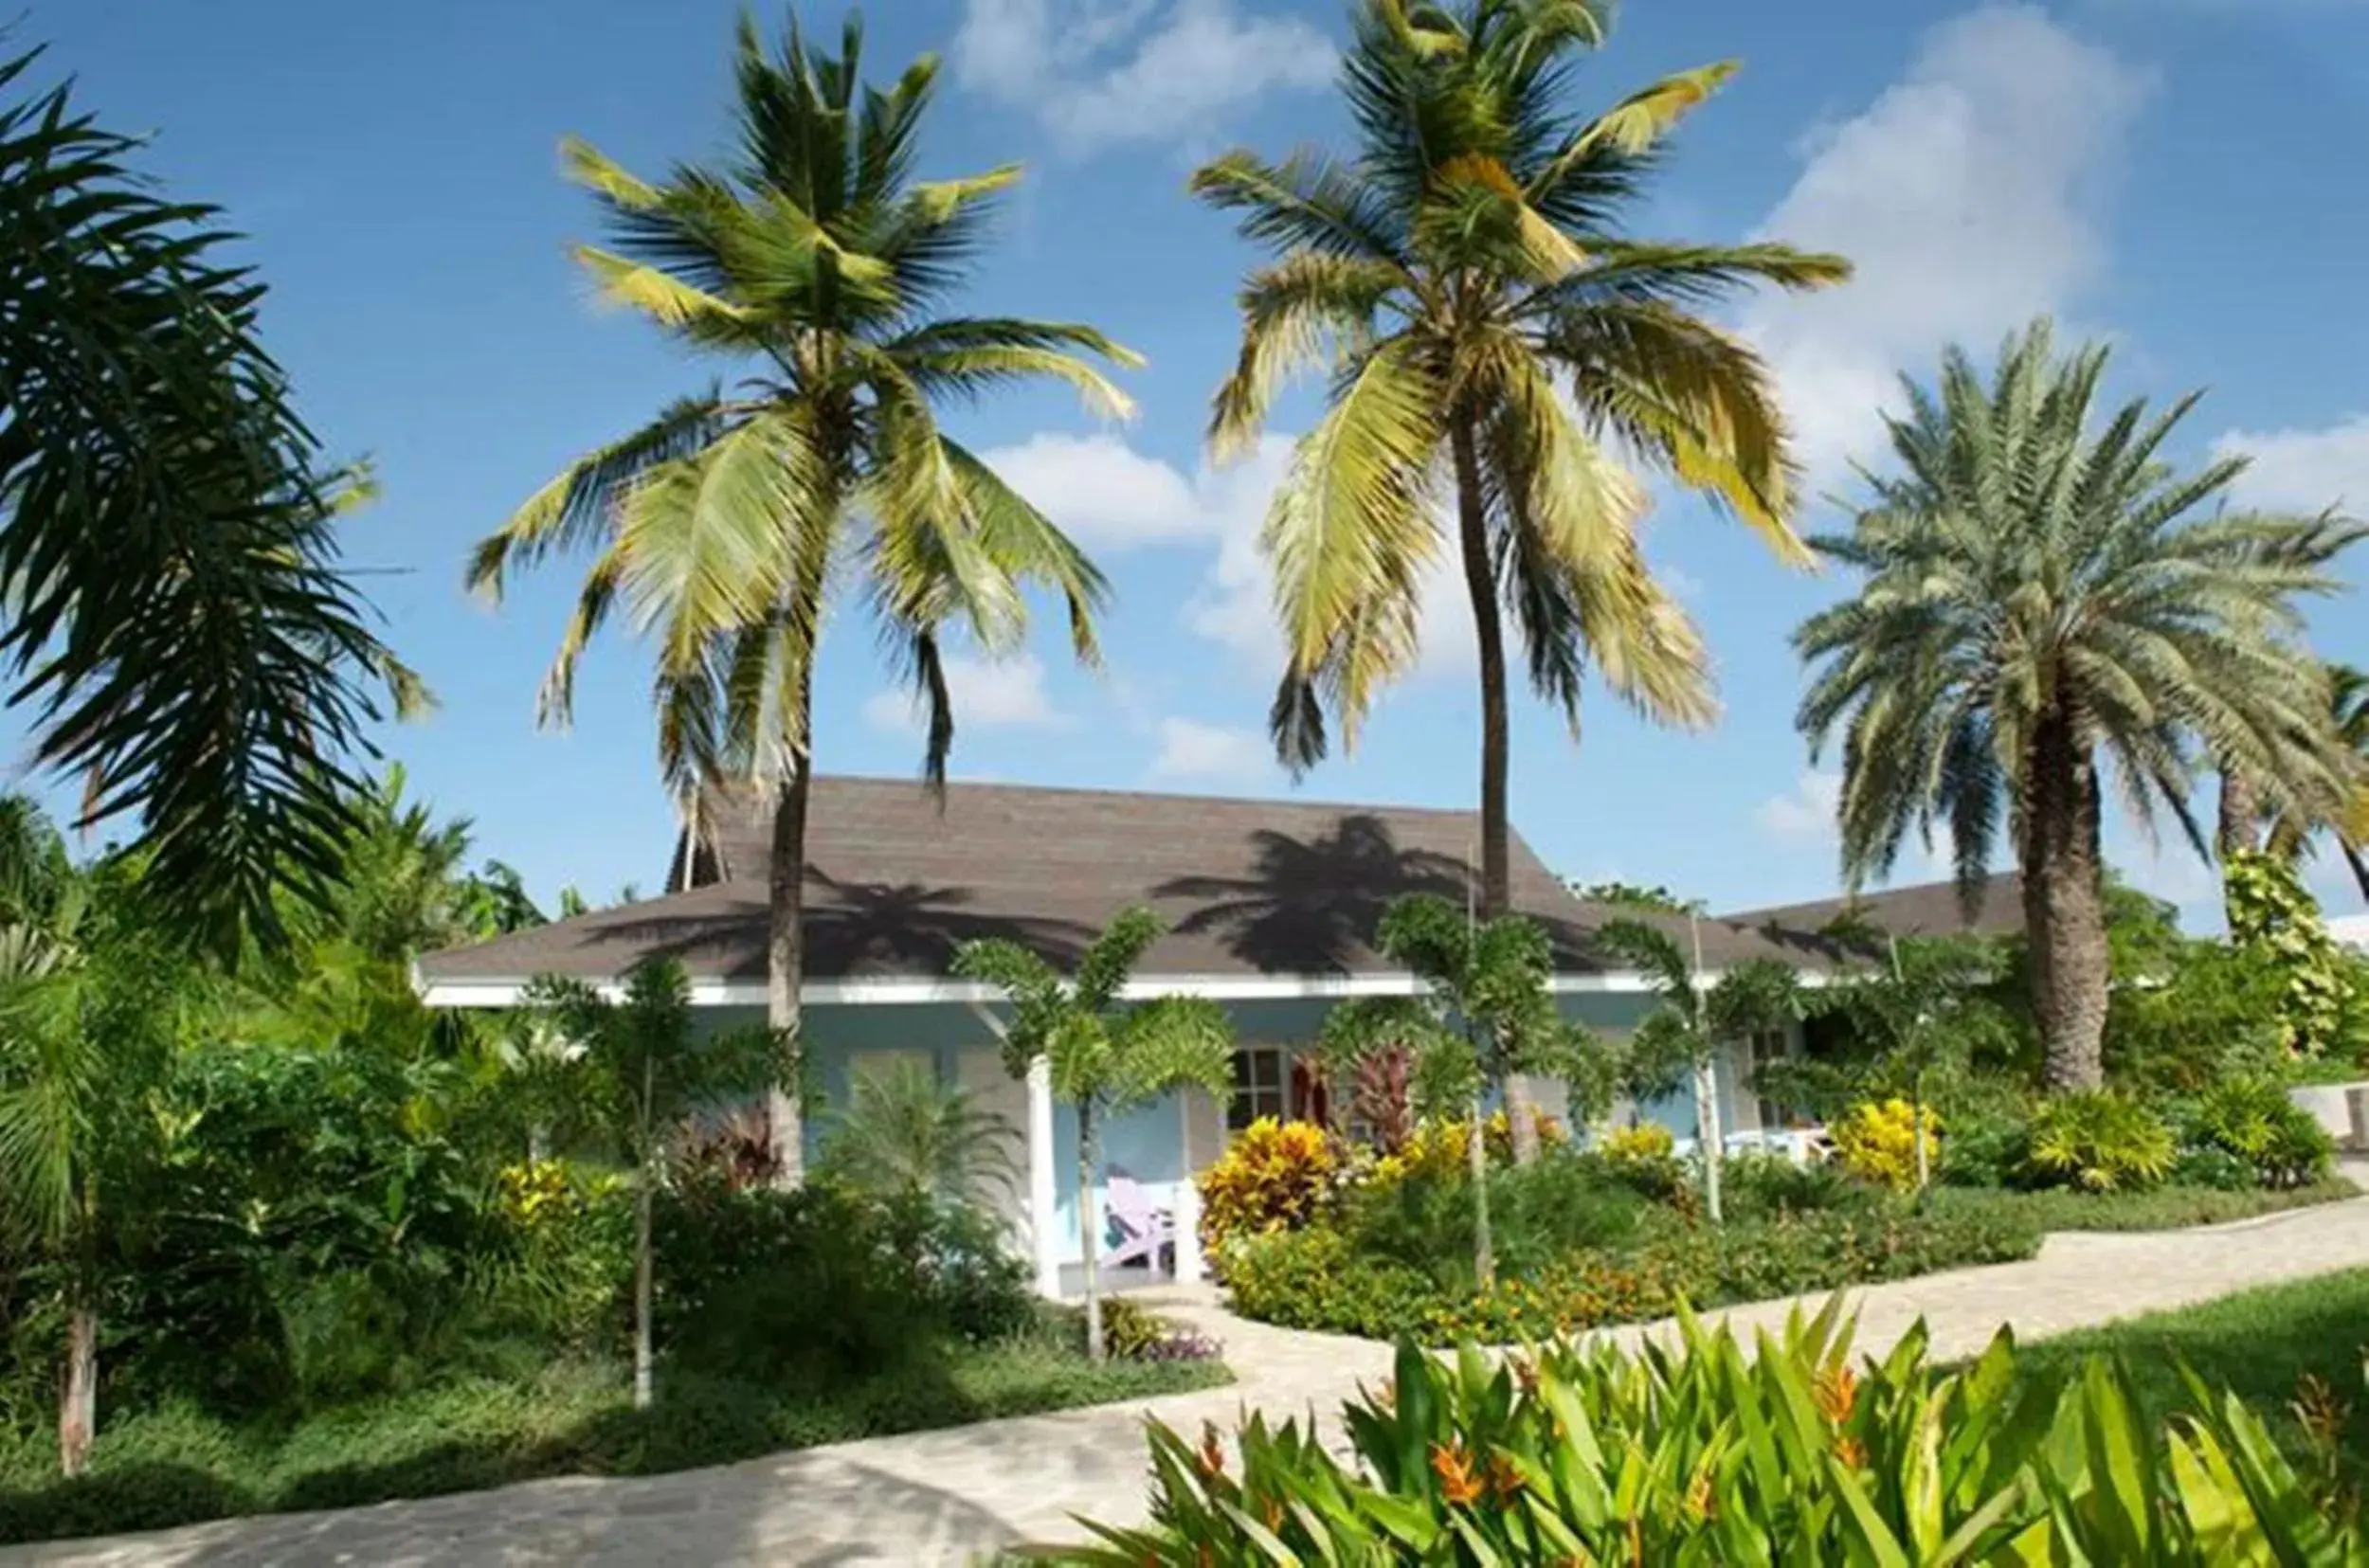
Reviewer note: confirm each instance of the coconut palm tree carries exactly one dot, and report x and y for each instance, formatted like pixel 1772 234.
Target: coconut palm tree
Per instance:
pixel 1496 344
pixel 816 259
pixel 2045 595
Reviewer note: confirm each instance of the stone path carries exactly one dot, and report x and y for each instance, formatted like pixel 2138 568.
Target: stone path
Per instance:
pixel 943 1497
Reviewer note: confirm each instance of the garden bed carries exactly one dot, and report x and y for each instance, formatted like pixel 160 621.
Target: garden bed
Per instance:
pixel 2163 1208
pixel 176 1464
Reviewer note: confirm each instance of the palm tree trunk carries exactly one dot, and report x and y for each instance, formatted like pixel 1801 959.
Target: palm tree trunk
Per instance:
pixel 644 1269
pixel 2063 905
pixel 1708 1136
pixel 78 1403
pixel 784 965
pixel 1476 1162
pixel 2241 810
pixel 2361 869
pixel 1496 876
pixel 1089 1226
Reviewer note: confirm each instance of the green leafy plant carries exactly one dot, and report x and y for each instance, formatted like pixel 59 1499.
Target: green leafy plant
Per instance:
pixel 903 1132
pixel 2252 1120
pixel 643 1071
pixel 1274 1176
pixel 1103 1054
pixel 1690 1020
pixel 1710 1454
pixel 1487 1017
pixel 2099 1142
pixel 2272 915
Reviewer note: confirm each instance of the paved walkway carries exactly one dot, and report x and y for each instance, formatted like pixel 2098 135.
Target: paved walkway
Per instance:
pixel 942 1497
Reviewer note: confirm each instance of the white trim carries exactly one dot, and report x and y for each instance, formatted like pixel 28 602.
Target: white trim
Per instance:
pixel 906 991
pixel 1043 1184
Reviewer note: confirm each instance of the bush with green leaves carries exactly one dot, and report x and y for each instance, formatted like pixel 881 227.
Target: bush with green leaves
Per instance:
pixel 1562 1203
pixel 1708 1453
pixel 2098 1141
pixel 2251 1121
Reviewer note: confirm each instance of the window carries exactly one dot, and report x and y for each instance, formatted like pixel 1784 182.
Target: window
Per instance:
pixel 1274 1080
pixel 1764 1047
pixel 1262 1087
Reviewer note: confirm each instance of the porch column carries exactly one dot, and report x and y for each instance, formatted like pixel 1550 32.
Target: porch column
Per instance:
pixel 1187 1205
pixel 1042 1192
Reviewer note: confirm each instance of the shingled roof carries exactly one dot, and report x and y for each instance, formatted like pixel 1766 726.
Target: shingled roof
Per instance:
pixel 1929 908
pixel 896 882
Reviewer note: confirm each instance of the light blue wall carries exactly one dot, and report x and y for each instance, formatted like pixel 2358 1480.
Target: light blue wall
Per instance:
pixel 1147 1141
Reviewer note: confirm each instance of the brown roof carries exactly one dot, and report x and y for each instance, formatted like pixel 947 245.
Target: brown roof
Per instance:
pixel 1928 908
pixel 895 883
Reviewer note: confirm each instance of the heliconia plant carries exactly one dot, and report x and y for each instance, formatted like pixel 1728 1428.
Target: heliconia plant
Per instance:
pixel 1698 1451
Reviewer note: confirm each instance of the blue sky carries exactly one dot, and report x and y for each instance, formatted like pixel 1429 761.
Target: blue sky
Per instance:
pixel 2180 174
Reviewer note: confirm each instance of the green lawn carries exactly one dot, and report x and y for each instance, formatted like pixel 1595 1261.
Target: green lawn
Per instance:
pixel 2164 1209
pixel 2261 1343
pixel 176 1464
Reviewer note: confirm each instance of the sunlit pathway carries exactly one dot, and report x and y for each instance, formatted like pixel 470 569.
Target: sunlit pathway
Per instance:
pixel 943 1497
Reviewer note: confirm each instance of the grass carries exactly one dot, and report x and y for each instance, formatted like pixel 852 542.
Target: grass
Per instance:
pixel 178 1464
pixel 2163 1208
pixel 2260 1343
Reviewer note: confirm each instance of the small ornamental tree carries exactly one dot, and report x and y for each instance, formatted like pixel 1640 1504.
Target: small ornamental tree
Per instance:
pixel 643 1069
pixel 1920 1018
pixel 1486 1015
pixel 1103 1054
pixel 1694 1021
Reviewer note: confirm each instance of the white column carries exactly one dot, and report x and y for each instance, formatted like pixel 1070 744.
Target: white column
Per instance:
pixel 1187 1205
pixel 1043 1191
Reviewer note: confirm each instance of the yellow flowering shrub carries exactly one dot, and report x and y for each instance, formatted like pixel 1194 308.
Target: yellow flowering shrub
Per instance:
pixel 1439 1148
pixel 1645 1140
pixel 1274 1176
pixel 1876 1141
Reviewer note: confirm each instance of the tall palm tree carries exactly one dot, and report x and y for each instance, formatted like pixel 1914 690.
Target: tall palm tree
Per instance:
pixel 180 630
pixel 2043 596
pixel 816 259
pixel 2348 823
pixel 1493 338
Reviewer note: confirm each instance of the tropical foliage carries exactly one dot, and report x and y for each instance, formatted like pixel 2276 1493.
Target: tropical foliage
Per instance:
pixel 1487 1019
pixel 904 1133
pixel 1102 1055
pixel 1711 1453
pixel 1492 336
pixel 179 631
pixel 814 257
pixel 2272 917
pixel 2049 606
pixel 1681 1038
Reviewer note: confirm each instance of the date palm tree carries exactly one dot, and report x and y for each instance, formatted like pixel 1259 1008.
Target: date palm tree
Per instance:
pixel 1495 343
pixel 2348 716
pixel 816 259
pixel 2042 598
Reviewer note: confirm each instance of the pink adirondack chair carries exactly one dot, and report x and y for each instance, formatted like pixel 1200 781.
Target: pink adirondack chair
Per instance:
pixel 1146 1231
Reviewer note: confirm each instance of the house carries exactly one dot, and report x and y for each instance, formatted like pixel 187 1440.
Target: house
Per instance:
pixel 1271 908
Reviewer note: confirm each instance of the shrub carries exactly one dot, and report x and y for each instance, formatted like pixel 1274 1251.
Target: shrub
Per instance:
pixel 1878 1142
pixel 1646 1141
pixel 1132 1332
pixel 1986 1148
pixel 1274 1176
pixel 1320 1279
pixel 1644 1159
pixel 1562 1203
pixel 1769 1185
pixel 2252 1120
pixel 2098 1141
pixel 1710 1455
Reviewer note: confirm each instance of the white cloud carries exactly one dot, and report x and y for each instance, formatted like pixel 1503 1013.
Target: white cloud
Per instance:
pixel 1192 749
pixel 1805 813
pixel 986 695
pixel 1101 72
pixel 1109 498
pixel 2303 470
pixel 1969 197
